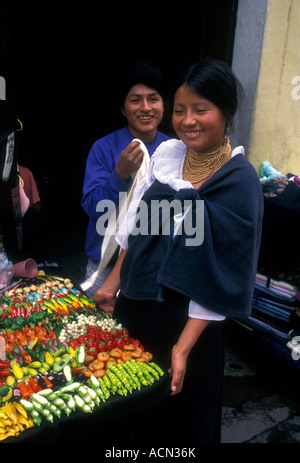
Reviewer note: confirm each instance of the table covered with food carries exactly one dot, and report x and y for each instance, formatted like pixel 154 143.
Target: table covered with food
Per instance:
pixel 66 368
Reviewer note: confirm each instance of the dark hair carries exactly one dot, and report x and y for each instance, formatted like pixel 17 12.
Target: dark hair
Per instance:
pixel 215 81
pixel 140 71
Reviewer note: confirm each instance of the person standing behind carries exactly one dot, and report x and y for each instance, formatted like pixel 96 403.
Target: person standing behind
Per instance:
pixel 32 220
pixel 115 157
pixel 28 183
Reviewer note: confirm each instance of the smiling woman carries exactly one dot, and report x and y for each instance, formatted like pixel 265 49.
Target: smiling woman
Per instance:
pixel 204 103
pixel 176 296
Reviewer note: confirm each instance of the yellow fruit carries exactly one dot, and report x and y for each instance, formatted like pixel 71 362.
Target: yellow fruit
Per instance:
pixel 17 371
pixel 49 358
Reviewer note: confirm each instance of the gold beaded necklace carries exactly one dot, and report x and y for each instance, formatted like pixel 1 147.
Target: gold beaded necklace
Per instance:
pixel 199 167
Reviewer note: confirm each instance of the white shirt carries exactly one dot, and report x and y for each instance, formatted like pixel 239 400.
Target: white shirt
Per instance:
pixel 166 166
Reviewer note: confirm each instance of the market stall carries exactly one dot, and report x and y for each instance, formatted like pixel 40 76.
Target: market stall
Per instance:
pixel 67 370
pixel 275 315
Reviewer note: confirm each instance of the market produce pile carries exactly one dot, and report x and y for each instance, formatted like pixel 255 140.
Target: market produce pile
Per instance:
pixel 59 354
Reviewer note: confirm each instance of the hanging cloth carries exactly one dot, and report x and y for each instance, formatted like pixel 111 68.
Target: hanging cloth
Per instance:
pixel 110 245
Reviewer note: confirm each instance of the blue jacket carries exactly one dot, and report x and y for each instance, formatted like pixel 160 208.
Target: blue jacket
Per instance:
pixel 102 182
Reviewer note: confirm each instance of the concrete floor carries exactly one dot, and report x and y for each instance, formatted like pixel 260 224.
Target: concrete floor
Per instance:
pixel 261 397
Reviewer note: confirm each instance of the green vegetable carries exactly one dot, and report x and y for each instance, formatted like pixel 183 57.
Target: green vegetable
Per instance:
pixel 59 403
pixel 114 379
pixel 131 372
pixel 81 404
pixel 67 410
pixel 105 390
pixel 35 364
pixel 59 352
pixel 52 396
pixel 71 387
pixel 38 407
pixel 47 414
pixel 8 396
pixel 45 366
pixel 153 372
pixel 55 410
pixel 78 400
pixel 157 368
pixel 124 377
pixel 84 394
pixel 91 393
pixel 36 417
pixel 46 392
pixel 94 381
pixel 27 405
pixel 3 391
pixel 41 399
pixel 148 377
pixel 67 372
pixel 95 385
pixel 62 363
pixel 82 391
pixel 71 403
pixel 80 354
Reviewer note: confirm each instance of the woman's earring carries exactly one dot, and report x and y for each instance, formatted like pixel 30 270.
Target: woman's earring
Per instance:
pixel 227 128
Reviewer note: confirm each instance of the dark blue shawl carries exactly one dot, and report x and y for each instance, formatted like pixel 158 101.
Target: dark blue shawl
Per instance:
pixel 220 273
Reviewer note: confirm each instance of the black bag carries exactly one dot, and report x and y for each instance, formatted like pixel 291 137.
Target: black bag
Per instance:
pixel 280 241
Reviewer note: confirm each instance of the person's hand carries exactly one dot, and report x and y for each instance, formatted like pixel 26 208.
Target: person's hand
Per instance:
pixel 105 300
pixel 130 160
pixel 177 370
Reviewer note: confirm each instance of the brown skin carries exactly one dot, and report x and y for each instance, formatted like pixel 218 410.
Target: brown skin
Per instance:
pixel 130 160
pixel 197 121
pixel 105 297
pixel 180 352
pixel 143 109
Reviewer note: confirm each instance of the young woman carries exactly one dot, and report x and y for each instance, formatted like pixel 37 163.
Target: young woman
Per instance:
pixel 115 157
pixel 175 294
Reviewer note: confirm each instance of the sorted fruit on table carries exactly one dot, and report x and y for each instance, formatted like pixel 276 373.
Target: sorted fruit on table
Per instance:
pixel 120 379
pixel 53 295
pixel 62 355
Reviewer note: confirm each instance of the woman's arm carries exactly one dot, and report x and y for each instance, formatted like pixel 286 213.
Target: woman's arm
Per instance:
pixel 105 297
pixel 181 350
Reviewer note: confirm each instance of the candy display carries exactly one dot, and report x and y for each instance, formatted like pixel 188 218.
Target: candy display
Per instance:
pixel 60 354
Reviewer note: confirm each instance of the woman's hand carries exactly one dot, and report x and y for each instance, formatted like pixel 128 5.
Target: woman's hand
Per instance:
pixel 180 352
pixel 106 296
pixel 105 300
pixel 177 370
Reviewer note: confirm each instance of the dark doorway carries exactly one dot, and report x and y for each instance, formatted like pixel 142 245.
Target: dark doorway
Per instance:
pixel 69 64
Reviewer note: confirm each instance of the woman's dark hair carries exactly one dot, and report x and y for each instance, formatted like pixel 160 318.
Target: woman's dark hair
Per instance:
pixel 140 71
pixel 215 81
